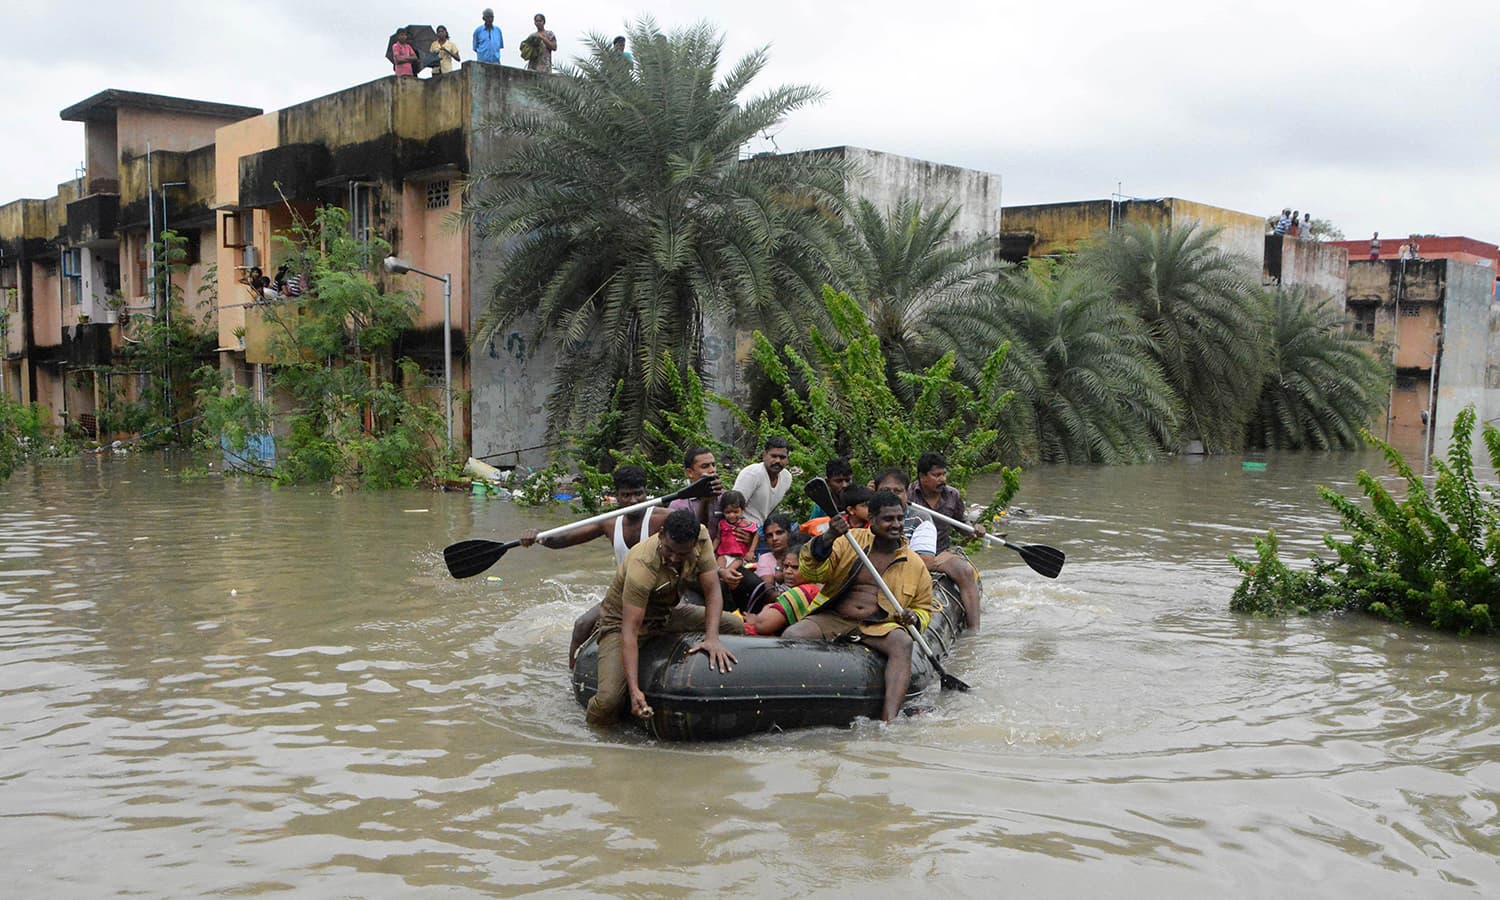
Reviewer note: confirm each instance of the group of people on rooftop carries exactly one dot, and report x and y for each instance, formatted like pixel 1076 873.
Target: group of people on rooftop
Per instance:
pixel 756 572
pixel 536 48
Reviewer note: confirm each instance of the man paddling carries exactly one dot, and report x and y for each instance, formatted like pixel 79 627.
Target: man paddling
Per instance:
pixel 643 600
pixel 851 606
pixel 933 492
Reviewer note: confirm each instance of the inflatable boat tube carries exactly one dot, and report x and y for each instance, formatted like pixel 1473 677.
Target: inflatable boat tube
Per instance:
pixel 776 684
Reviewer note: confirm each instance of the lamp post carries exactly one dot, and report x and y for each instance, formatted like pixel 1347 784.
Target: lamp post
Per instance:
pixel 398 266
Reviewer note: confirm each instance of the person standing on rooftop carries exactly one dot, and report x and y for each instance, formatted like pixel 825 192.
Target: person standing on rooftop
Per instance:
pixel 487 39
pixel 446 50
pixel 546 43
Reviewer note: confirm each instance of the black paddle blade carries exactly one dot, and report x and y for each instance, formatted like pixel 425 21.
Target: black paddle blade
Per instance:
pixel 466 559
pixel 1044 560
pixel 949 682
pixel 695 491
pixel 820 492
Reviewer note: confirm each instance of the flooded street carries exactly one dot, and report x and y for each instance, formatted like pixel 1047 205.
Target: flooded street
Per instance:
pixel 213 686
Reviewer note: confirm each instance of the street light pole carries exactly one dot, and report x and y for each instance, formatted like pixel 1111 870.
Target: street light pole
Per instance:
pixel 400 267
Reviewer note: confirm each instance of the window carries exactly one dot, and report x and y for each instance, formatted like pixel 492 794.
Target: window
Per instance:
pixel 437 195
pixel 236 229
pixel 1411 310
pixel 72 281
pixel 362 200
pixel 1406 383
pixel 1362 321
pixel 7 276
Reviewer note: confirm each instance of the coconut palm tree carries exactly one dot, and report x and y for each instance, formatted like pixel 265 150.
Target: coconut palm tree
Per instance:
pixel 1087 388
pixel 1323 385
pixel 630 220
pixel 905 266
pixel 1202 311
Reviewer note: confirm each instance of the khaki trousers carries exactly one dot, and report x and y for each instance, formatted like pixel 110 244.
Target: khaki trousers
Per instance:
pixel 613 697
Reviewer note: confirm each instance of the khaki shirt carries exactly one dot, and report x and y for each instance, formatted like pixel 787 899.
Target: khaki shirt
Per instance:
pixel 906 576
pixel 644 582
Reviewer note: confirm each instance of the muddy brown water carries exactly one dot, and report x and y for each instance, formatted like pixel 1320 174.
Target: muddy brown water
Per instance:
pixel 210 686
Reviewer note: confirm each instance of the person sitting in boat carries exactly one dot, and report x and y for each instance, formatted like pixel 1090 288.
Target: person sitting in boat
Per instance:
pixel 642 600
pixel 778 532
pixel 855 499
pixel 933 492
pixel 625 531
pixel 697 463
pixel 839 475
pixel 793 604
pixel 920 531
pixel 851 607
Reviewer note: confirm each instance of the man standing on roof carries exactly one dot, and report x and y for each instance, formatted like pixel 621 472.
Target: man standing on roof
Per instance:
pixel 487 39
pixel 766 482
pixel 643 600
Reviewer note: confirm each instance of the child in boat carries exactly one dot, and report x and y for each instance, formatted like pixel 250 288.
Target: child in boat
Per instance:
pixel 738 536
pixel 856 501
pixel 794 603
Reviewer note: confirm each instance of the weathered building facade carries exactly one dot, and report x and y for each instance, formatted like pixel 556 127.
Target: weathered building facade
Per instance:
pixel 1045 229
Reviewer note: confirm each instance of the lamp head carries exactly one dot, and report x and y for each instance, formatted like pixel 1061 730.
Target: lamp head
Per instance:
pixel 396 265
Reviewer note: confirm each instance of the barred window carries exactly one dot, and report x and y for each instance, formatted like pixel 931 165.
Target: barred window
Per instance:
pixel 1406 383
pixel 437 195
pixel 1411 309
pixel 1364 320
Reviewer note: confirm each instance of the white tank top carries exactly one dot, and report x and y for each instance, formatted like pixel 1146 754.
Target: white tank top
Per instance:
pixel 620 548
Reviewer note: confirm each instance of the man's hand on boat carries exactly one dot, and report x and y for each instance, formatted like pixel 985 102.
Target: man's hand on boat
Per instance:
pixel 719 658
pixel 638 705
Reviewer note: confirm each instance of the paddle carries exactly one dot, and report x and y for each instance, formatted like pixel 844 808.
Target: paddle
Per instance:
pixel 820 493
pixel 466 559
pixel 1046 560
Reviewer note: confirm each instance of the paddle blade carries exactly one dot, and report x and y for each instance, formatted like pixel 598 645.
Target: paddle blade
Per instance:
pixel 695 491
pixel 820 492
pixel 951 683
pixel 1044 560
pixel 466 559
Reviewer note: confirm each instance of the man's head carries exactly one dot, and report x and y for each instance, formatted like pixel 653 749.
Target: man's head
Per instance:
pixel 932 471
pixel 839 474
pixel 699 461
pixel 619 43
pixel 488 16
pixel 630 485
pixel 886 513
pixel 775 456
pixel 540 21
pixel 442 32
pixel 678 534
pixel 893 479
pixel 402 36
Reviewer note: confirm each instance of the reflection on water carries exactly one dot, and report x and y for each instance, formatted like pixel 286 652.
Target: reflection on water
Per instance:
pixel 213 686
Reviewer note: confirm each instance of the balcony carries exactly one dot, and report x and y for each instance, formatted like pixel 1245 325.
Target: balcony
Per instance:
pixel 93 219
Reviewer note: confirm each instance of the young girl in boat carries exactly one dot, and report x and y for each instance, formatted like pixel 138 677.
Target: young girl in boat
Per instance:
pixel 738 536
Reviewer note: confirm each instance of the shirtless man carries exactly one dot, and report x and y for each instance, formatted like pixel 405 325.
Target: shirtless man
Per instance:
pixel 852 607
pixel 626 531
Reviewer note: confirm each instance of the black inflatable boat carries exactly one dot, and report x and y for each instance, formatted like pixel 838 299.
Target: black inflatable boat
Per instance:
pixel 776 684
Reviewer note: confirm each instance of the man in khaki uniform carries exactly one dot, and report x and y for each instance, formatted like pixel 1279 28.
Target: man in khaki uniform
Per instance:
pixel 851 605
pixel 643 601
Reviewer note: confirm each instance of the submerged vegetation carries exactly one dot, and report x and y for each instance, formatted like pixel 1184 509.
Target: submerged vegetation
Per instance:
pixel 1430 558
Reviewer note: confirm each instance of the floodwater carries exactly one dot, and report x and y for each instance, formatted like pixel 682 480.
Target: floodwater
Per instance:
pixel 211 686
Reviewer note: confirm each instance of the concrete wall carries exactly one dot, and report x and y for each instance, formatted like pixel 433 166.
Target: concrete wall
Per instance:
pixel 885 178
pixel 1049 228
pixel 1463 376
pixel 1319 268
pixel 164 130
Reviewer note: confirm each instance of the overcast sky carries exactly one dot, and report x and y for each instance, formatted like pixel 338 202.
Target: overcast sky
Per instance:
pixel 1373 114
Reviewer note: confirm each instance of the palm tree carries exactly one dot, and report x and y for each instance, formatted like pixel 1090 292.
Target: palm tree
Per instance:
pixel 1087 388
pixel 629 218
pixel 1202 312
pixel 1323 385
pixel 905 267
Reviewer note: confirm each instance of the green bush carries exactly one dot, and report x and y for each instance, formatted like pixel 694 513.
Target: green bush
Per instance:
pixel 1429 558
